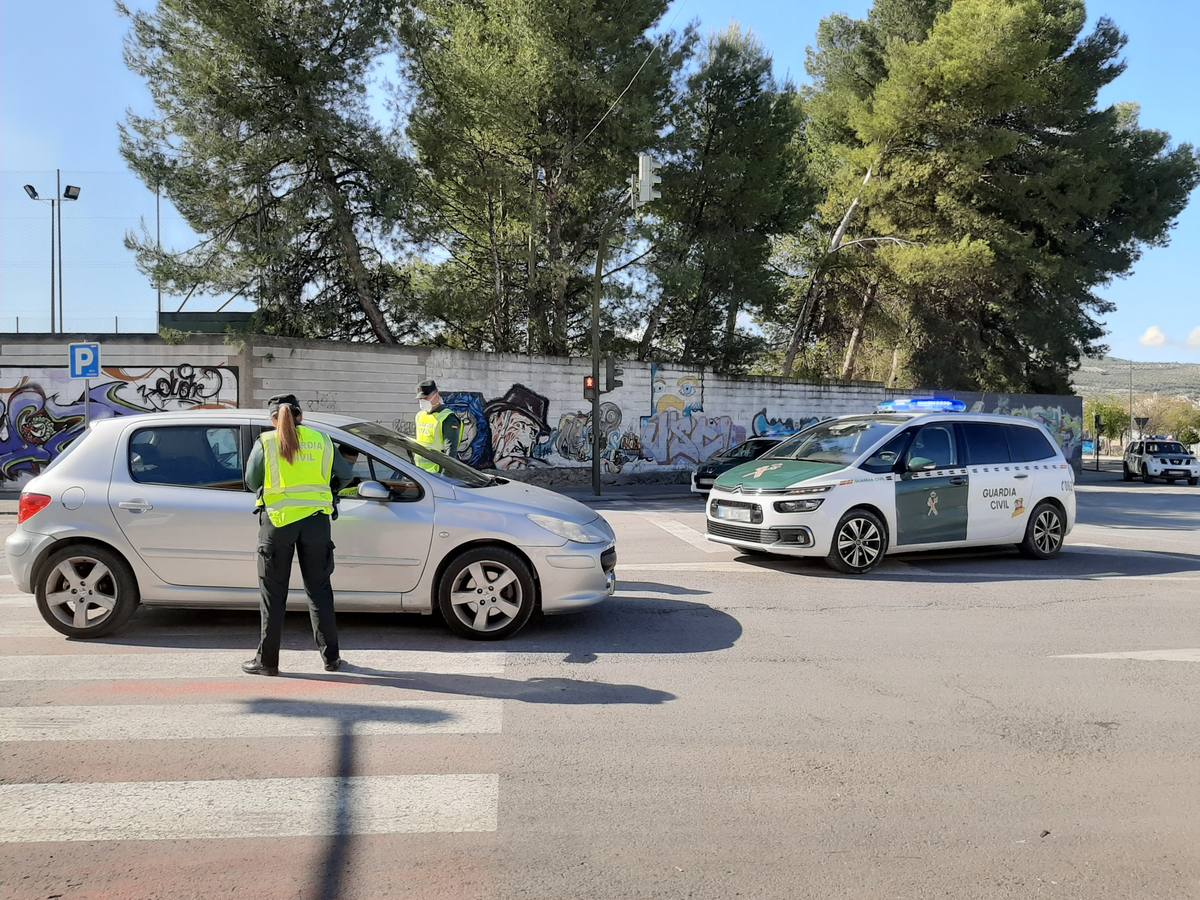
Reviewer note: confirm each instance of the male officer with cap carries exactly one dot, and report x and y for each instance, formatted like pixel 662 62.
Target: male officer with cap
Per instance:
pixel 295 471
pixel 437 426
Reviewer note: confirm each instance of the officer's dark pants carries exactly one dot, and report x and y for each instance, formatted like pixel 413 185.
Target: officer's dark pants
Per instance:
pixel 311 541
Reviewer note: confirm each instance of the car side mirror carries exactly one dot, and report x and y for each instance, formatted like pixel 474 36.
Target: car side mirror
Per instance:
pixel 919 464
pixel 373 490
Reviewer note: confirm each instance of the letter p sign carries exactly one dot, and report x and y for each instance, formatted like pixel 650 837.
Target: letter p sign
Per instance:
pixel 84 360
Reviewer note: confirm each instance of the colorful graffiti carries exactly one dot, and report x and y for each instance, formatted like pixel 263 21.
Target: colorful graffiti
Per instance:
pixel 475 436
pixel 42 410
pixel 682 393
pixel 764 426
pixel 517 422
pixel 671 438
pixel 570 443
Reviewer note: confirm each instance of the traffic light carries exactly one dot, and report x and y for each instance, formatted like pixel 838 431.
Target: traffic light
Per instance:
pixel 589 387
pixel 612 375
pixel 648 177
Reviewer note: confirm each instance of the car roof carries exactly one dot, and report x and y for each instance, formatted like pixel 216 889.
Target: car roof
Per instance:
pixel 207 415
pixel 905 418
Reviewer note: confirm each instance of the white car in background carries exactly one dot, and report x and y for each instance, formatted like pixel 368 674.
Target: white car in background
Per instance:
pixel 1160 458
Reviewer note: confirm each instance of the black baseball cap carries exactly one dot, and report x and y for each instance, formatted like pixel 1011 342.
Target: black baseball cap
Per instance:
pixel 426 388
pixel 284 400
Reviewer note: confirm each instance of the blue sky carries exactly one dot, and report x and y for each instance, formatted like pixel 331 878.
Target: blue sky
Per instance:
pixel 64 86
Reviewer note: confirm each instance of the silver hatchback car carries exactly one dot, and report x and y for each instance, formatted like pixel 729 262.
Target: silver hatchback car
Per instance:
pixel 152 510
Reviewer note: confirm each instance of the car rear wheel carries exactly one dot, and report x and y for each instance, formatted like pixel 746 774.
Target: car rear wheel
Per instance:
pixel 859 543
pixel 1044 533
pixel 1126 475
pixel 86 592
pixel 487 594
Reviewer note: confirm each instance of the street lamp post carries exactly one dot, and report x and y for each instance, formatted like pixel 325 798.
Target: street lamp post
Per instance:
pixel 71 192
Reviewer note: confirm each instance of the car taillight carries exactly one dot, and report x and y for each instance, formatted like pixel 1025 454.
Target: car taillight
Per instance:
pixel 30 505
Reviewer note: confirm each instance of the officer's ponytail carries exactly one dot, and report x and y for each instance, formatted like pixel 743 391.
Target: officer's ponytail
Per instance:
pixel 285 429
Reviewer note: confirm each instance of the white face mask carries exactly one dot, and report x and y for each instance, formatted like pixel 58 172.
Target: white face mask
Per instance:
pixel 426 406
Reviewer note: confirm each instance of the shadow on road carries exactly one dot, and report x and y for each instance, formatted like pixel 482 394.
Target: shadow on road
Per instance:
pixel 982 566
pixel 622 624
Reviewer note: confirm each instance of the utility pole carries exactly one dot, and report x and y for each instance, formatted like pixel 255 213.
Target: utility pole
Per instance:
pixel 158 249
pixel 62 319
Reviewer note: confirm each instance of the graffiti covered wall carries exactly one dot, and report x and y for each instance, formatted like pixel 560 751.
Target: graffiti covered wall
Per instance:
pixel 42 410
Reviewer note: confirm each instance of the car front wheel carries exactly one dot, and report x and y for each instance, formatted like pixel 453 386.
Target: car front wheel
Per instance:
pixel 1146 476
pixel 1044 533
pixel 86 592
pixel 487 594
pixel 859 543
pixel 1194 481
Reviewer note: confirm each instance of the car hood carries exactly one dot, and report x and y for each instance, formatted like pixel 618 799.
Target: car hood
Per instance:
pixel 773 474
pixel 531 498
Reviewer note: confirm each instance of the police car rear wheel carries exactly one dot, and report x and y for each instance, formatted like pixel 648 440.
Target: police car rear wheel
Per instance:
pixel 1044 533
pixel 1126 475
pixel 859 542
pixel 486 594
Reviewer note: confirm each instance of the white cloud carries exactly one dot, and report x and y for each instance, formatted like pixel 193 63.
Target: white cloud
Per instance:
pixel 1193 339
pixel 1154 337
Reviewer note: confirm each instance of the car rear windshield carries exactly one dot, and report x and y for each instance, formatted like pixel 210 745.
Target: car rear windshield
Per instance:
pixel 750 449
pixel 1164 447
pixel 840 441
pixel 407 449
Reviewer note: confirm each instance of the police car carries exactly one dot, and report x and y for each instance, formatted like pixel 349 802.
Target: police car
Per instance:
pixel 1160 458
pixel 917 475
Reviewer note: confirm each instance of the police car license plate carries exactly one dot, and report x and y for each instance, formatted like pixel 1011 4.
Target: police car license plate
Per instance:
pixel 734 513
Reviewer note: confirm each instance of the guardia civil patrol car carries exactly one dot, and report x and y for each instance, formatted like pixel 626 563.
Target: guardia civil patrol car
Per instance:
pixel 917 475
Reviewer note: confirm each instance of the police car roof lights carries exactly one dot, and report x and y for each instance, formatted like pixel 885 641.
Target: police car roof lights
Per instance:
pixel 921 404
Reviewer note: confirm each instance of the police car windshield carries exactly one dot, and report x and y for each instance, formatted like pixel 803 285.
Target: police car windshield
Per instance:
pixel 406 448
pixel 1164 447
pixel 840 441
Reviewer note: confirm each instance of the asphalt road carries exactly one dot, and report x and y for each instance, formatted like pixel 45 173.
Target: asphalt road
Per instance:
pixel 965 725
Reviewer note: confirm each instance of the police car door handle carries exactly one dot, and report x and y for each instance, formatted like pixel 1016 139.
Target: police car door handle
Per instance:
pixel 1020 476
pixel 958 479
pixel 135 505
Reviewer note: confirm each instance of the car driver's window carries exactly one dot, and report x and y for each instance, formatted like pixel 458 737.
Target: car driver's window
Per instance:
pixel 932 448
pixel 401 485
pixel 884 459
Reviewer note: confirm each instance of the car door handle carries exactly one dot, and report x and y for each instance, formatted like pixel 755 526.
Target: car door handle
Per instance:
pixel 1020 476
pixel 958 479
pixel 135 505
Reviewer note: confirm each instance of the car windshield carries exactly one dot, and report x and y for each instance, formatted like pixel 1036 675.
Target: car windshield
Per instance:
pixel 749 449
pixel 406 448
pixel 840 441
pixel 1164 447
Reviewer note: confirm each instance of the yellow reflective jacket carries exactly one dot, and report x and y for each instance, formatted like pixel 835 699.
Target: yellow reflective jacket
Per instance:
pixel 294 491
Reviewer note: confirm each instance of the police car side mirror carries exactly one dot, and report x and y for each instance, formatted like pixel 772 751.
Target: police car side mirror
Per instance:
pixel 920 464
pixel 373 490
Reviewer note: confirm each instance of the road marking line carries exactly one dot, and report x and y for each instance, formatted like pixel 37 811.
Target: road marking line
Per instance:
pixel 1187 654
pixel 226 664
pixel 685 533
pixel 271 807
pixel 256 718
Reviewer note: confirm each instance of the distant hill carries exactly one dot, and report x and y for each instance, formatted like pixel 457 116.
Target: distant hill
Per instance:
pixel 1110 375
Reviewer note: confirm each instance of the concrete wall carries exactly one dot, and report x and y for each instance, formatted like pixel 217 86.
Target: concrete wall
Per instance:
pixel 523 415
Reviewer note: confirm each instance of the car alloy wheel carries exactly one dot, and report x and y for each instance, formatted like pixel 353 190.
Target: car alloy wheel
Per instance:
pixel 1048 531
pixel 82 592
pixel 487 596
pixel 859 543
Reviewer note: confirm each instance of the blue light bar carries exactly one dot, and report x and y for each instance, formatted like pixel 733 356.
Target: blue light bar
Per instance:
pixel 921 404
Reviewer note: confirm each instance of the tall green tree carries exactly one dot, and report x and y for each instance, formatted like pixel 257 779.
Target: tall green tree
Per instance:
pixel 966 160
pixel 527 117
pixel 734 180
pixel 262 139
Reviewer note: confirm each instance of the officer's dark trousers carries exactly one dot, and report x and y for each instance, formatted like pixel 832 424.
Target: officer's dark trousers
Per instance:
pixel 311 541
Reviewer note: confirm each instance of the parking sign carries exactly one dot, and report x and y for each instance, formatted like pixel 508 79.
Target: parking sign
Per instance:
pixel 84 360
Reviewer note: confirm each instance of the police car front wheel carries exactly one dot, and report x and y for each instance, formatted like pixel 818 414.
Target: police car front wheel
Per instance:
pixel 859 542
pixel 1044 532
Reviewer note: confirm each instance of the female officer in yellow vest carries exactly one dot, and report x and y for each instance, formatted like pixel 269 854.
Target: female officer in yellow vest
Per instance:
pixel 292 467
pixel 437 426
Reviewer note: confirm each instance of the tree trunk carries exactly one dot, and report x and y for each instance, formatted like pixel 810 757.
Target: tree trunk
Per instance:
pixel 894 373
pixel 835 244
pixel 857 333
pixel 556 345
pixel 646 344
pixel 535 330
pixel 498 326
pixel 731 315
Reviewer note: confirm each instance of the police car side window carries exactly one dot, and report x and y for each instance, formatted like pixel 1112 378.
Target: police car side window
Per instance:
pixel 1028 444
pixel 986 443
pixel 934 447
pixel 885 458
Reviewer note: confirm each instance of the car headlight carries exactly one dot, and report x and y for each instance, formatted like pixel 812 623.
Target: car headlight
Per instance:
pixel 567 530
pixel 796 506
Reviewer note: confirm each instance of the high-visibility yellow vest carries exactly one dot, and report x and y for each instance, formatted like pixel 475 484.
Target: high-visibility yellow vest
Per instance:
pixel 294 491
pixel 430 434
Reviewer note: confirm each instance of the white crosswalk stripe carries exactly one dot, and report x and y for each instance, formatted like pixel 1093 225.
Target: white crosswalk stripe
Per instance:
pixel 268 807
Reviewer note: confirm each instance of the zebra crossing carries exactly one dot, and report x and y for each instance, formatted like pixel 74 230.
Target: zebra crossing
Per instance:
pixel 61 702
